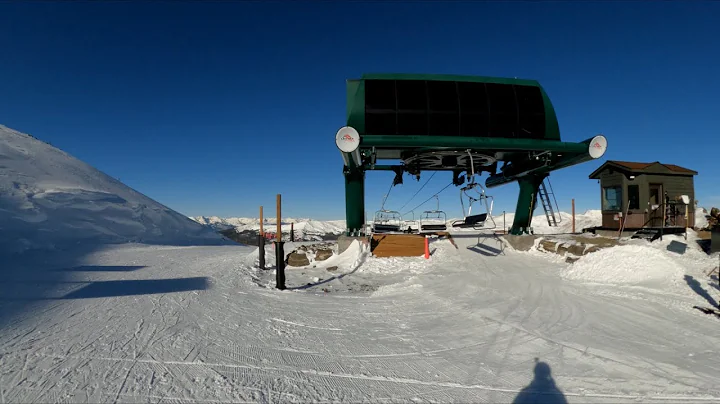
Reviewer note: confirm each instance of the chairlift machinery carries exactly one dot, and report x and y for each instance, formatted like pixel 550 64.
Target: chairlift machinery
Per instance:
pixel 507 126
pixel 476 221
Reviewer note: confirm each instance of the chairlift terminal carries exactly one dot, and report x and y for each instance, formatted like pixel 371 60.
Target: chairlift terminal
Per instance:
pixel 466 125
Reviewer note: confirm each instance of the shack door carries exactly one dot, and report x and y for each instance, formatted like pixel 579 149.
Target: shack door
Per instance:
pixel 655 208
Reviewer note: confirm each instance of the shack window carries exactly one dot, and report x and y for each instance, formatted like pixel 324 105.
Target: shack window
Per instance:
pixel 634 196
pixel 612 198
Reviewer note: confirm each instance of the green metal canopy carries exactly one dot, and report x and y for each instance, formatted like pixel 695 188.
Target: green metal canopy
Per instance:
pixel 445 122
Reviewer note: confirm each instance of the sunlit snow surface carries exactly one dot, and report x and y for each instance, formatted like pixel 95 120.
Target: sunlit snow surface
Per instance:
pixel 103 319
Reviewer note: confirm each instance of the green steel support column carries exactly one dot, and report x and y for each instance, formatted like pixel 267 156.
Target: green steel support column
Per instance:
pixel 354 200
pixel 527 198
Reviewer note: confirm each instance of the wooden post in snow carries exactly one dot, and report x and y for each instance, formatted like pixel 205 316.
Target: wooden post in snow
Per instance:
pixel 573 215
pixel 261 222
pixel 278 201
pixel 279 251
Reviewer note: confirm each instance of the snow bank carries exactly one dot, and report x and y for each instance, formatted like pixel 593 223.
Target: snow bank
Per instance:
pixel 701 221
pixel 51 200
pixel 628 264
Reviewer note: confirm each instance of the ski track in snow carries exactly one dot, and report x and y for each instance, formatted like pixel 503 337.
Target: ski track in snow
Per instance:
pixel 460 327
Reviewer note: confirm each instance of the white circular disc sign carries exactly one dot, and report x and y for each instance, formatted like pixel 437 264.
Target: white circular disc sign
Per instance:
pixel 597 146
pixel 347 139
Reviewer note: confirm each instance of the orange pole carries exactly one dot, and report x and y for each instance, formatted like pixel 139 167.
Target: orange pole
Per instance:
pixel 573 215
pixel 278 236
pixel 427 247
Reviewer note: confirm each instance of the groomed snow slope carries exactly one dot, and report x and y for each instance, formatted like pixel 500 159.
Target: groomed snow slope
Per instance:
pixel 200 324
pixel 51 200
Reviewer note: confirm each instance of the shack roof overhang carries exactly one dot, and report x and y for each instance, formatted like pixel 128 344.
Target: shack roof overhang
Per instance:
pixel 633 168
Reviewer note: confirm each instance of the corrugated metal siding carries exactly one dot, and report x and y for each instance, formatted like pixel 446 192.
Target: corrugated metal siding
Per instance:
pixel 675 186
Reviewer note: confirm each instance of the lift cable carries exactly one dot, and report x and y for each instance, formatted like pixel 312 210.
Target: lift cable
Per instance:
pixel 428 199
pixel 382 207
pixel 418 191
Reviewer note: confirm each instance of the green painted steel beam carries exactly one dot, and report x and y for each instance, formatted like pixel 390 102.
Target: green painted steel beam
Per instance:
pixel 522 170
pixel 449 77
pixel 526 203
pixel 354 200
pixel 476 143
pixel 355 98
pixel 383 167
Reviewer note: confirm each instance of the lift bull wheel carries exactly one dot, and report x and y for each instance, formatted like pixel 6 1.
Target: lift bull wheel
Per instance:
pixel 449 159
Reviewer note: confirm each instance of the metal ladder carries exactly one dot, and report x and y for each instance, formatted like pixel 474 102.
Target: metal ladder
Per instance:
pixel 546 202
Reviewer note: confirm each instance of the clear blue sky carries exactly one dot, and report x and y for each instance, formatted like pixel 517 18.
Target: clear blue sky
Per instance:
pixel 213 108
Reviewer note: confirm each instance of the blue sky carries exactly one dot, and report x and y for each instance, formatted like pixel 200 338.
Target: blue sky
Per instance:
pixel 213 108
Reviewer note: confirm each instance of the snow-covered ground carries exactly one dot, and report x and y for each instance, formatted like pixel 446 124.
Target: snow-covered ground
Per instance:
pixel 117 298
pixel 51 200
pixel 138 323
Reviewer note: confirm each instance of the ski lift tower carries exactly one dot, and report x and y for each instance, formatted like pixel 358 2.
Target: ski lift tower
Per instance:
pixel 447 123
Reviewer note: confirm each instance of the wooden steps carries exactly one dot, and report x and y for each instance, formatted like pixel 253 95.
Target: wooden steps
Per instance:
pixel 397 245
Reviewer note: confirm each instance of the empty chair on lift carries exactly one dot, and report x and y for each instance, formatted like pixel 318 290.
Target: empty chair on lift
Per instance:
pixel 387 221
pixel 433 220
pixel 471 221
pixel 474 221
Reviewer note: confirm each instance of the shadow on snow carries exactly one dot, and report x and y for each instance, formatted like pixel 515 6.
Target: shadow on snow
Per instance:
pixel 542 388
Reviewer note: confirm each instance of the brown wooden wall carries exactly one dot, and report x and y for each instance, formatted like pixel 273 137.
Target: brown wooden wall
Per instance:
pixel 675 185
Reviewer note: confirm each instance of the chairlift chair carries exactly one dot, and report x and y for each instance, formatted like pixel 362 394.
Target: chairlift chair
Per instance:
pixel 433 220
pixel 410 225
pixel 387 221
pixel 476 221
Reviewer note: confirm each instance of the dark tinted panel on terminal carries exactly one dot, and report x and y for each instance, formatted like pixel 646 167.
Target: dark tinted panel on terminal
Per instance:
pixel 380 95
pixel 474 109
pixel 531 110
pixel 448 108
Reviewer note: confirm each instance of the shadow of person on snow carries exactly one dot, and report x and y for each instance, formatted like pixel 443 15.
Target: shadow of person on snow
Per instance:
pixel 695 286
pixel 542 388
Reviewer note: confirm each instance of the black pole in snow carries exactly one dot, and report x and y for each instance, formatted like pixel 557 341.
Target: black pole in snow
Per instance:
pixel 261 251
pixel 280 266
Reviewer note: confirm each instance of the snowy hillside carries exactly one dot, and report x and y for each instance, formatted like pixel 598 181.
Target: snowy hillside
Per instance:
pixel 540 224
pixel 589 218
pixel 221 223
pixel 51 200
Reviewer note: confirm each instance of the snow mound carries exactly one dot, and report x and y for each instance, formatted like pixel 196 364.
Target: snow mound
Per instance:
pixel 628 264
pixel 701 221
pixel 51 200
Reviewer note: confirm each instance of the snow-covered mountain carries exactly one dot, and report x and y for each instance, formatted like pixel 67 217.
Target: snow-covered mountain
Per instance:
pixel 51 200
pixel 305 226
pixel 242 222
pixel 316 227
